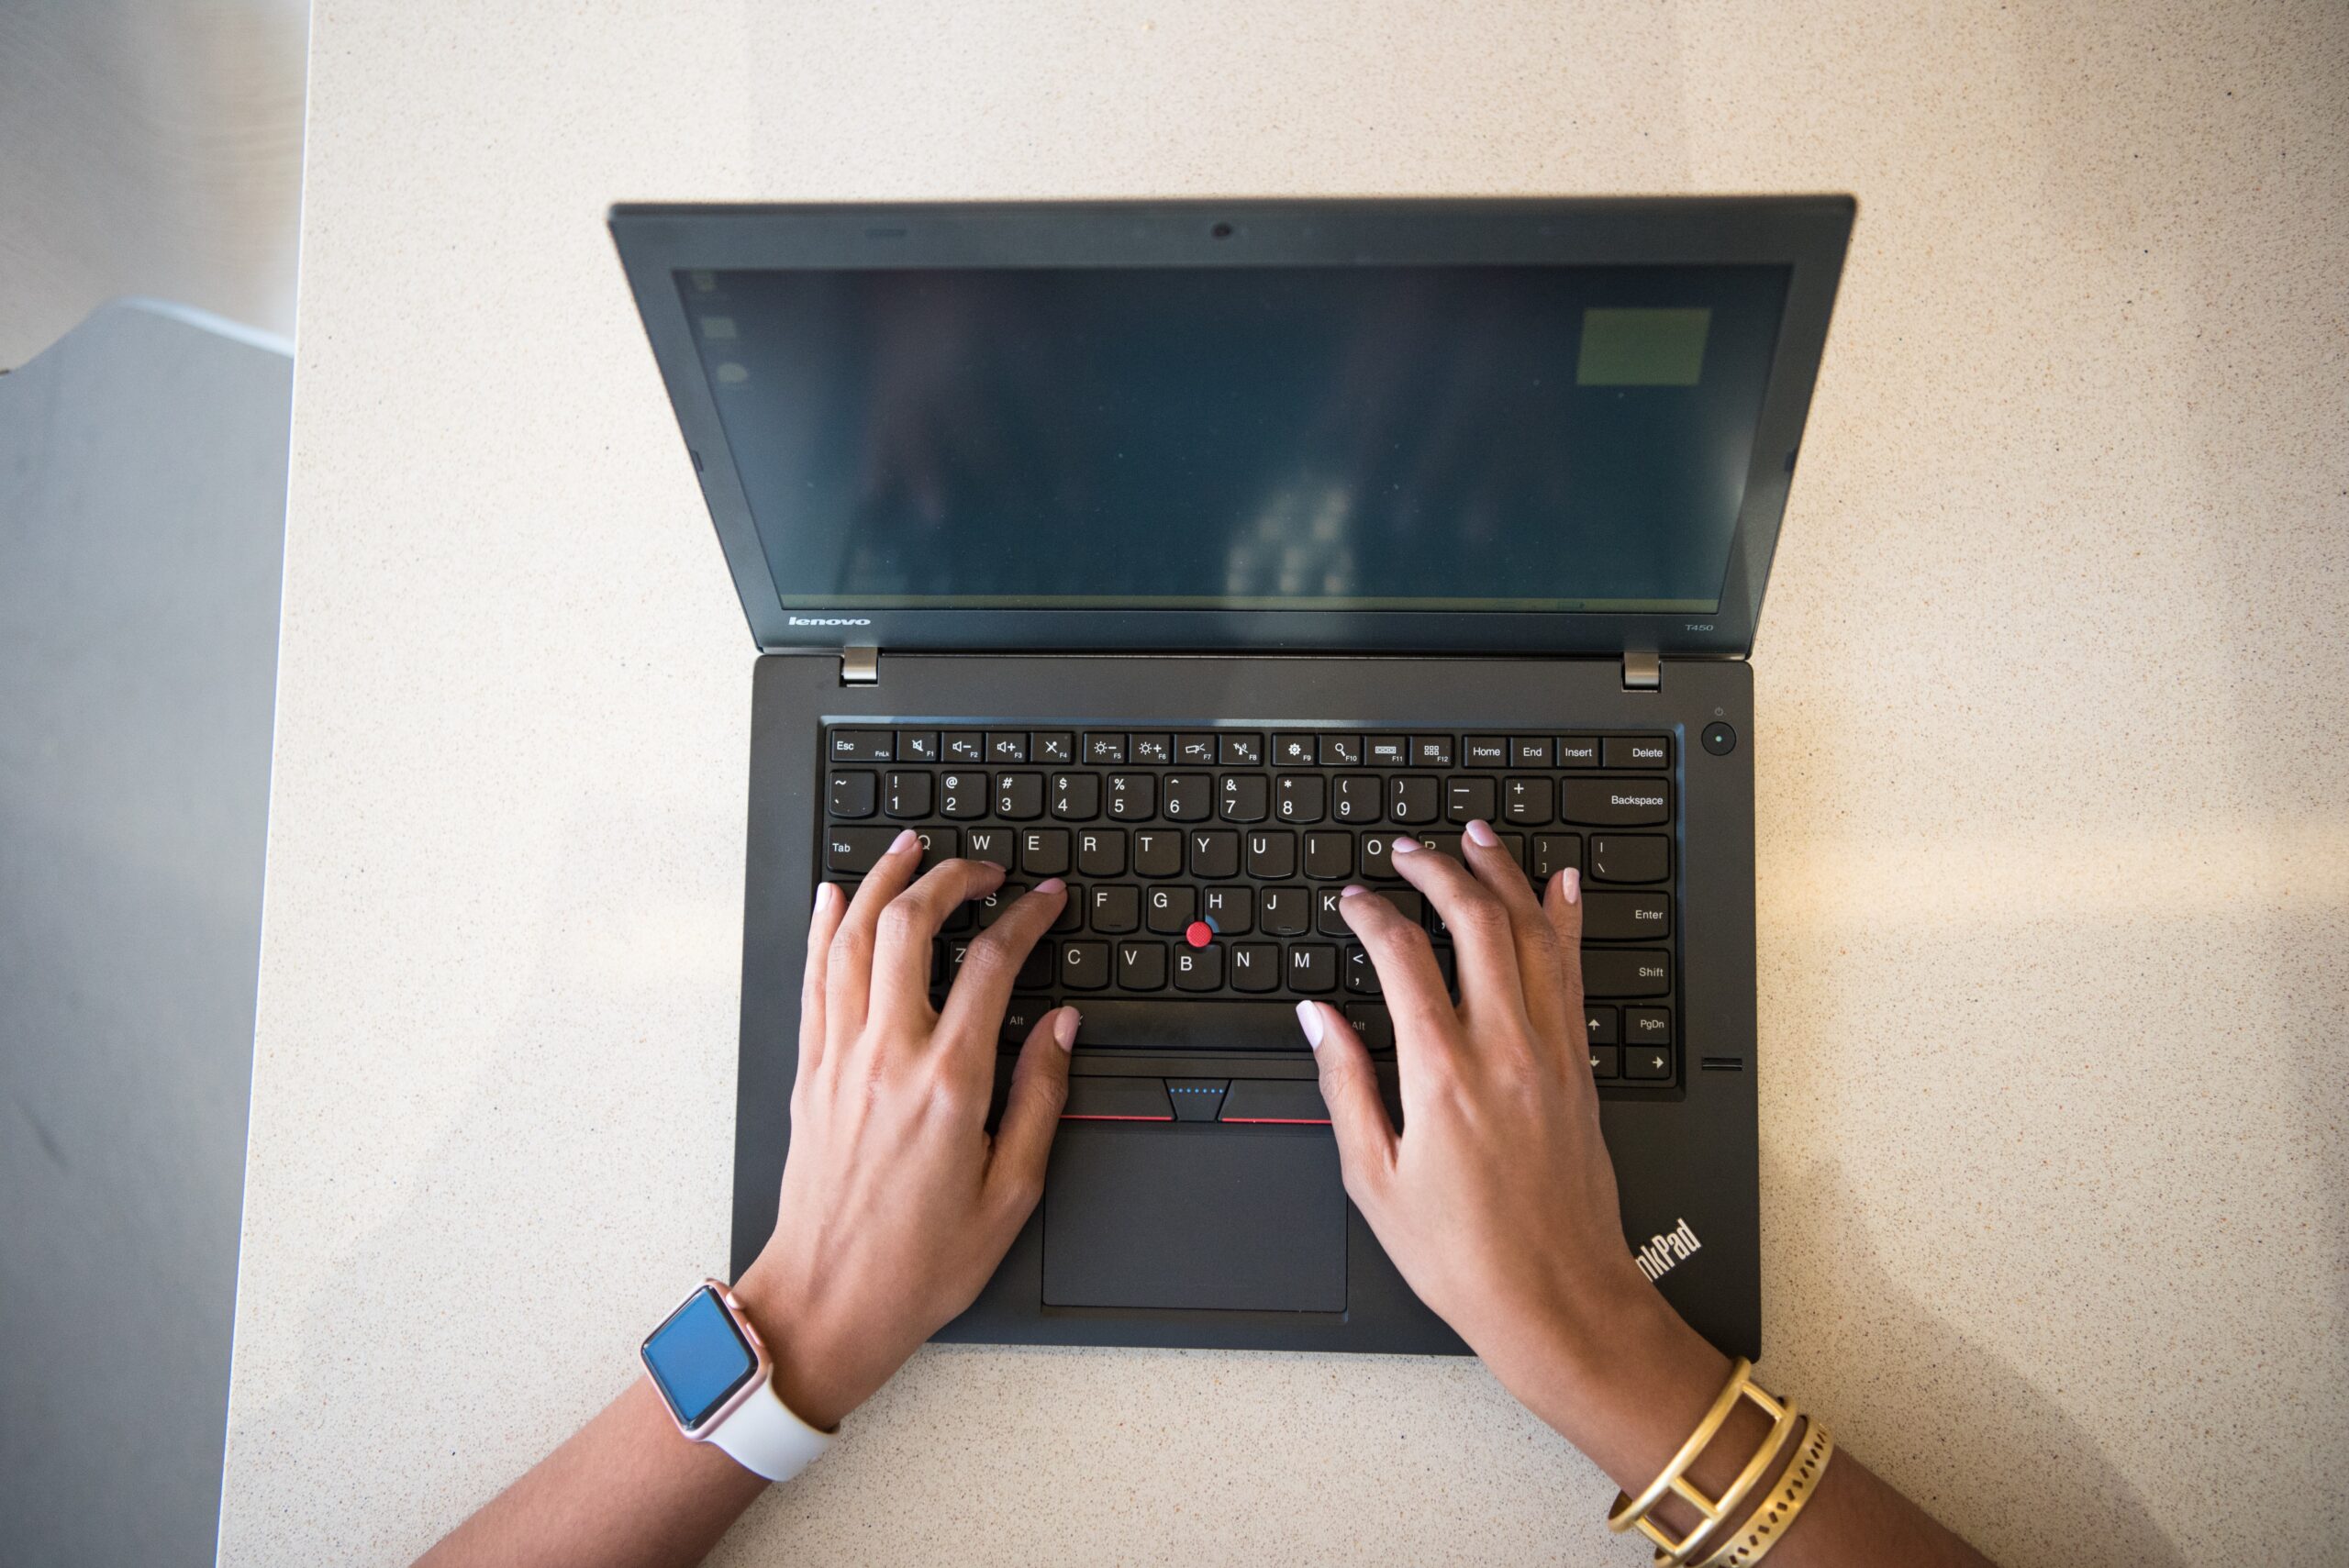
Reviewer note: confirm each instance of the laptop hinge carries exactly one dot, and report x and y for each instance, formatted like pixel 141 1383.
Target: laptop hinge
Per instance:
pixel 1643 672
pixel 860 666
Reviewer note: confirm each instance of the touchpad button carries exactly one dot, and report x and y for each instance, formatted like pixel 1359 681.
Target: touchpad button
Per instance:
pixel 1236 1218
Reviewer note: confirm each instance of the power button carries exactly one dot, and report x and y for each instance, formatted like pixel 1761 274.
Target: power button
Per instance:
pixel 1719 738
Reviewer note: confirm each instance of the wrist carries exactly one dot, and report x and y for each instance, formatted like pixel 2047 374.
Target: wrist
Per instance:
pixel 813 1376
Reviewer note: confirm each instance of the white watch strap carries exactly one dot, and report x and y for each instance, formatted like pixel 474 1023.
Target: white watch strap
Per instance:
pixel 766 1439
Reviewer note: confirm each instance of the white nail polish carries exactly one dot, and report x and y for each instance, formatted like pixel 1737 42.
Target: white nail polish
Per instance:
pixel 1308 1017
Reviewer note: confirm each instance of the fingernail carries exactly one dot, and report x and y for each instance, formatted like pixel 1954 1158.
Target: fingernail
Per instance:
pixel 1064 1027
pixel 1570 884
pixel 1051 885
pixel 1480 833
pixel 1351 889
pixel 1403 844
pixel 904 841
pixel 1310 1017
pixel 825 893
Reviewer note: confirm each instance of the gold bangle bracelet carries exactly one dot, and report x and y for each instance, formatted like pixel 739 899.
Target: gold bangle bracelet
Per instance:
pixel 1627 1511
pixel 1769 1523
pixel 1785 1421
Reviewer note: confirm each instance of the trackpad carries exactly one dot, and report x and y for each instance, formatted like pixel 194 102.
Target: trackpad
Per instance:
pixel 1201 1215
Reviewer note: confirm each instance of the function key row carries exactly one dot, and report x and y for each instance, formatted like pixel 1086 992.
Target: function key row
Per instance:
pixel 1247 749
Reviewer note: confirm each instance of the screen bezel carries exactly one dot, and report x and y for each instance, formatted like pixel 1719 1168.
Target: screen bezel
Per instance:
pixel 712 1414
pixel 1806 235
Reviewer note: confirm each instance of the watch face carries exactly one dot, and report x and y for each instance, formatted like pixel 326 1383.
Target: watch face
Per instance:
pixel 698 1358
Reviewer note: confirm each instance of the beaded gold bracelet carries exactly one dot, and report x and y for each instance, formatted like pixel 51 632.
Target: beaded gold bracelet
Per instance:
pixel 1769 1523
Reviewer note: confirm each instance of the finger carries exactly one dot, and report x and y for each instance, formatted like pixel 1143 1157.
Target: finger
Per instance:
pixel 1350 1088
pixel 848 980
pixel 1032 1115
pixel 1409 982
pixel 1481 943
pixel 974 1010
pixel 1529 931
pixel 821 926
pixel 1562 906
pixel 902 951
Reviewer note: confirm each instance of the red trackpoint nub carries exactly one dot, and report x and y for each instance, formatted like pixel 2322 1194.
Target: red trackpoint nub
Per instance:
pixel 1198 933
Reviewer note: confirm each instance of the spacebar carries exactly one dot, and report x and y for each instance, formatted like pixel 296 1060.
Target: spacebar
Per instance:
pixel 1188 1025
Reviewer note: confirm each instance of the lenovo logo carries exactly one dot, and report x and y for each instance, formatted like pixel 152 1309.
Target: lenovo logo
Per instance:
pixel 1656 1258
pixel 823 620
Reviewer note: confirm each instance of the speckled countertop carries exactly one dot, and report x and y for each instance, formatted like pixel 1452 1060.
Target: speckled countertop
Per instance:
pixel 2053 690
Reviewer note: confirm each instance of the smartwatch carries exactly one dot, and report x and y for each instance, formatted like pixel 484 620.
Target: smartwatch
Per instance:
pixel 715 1374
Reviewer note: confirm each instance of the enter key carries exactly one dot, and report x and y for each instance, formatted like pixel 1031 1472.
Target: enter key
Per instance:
pixel 1625 917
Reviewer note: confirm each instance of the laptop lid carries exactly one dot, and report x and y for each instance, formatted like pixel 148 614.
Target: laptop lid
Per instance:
pixel 1531 426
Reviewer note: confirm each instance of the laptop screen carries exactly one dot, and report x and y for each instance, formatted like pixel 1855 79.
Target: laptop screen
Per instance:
pixel 1366 437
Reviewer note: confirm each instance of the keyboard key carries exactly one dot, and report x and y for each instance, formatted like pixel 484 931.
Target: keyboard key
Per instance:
pixel 961 795
pixel 1214 854
pixel 1172 909
pixel 939 844
pixel 1408 902
pixel 1116 910
pixel 1103 749
pixel 1626 916
pixel 1255 966
pixel 1632 857
pixel 1329 921
pixel 1184 1025
pixel 1101 851
pixel 993 905
pixel 1312 970
pixel 1116 1099
pixel 1599 1023
pixel 1362 977
pixel 1647 1026
pixel 863 746
pixel 852 851
pixel 1295 1101
pixel 1412 798
pixel 1241 751
pixel 1230 910
pixel 1044 852
pixel 1553 853
pixel 1294 750
pixel 919 746
pixel 1132 797
pixel 1285 911
pixel 1605 1064
pixel 965 747
pixel 1626 972
pixel 1646 1064
pixel 1530 751
pixel 1615 803
pixel 908 795
pixel 991 844
pixel 1387 752
pixel 1376 1027
pixel 1638 752
pixel 1485 752
pixel 1142 966
pixel 1154 749
pixel 1076 797
pixel 1378 856
pixel 1198 969
pixel 1007 746
pixel 1084 966
pixel 1355 799
pixel 1190 797
pixel 1022 1015
pixel 1431 750
pixel 1272 855
pixel 1469 800
pixel 1059 746
pixel 1340 750
pixel 852 793
pixel 1328 856
pixel 1578 752
pixel 1300 799
pixel 1158 852
pixel 1242 797
pixel 1072 916
pixel 1019 797
pixel 1528 803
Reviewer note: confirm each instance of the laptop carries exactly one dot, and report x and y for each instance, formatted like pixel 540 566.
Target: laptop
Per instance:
pixel 1191 551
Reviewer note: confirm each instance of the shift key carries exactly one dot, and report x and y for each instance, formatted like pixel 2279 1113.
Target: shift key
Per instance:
pixel 1626 972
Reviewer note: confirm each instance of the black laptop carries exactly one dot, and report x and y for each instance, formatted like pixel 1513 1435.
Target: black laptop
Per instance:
pixel 1191 551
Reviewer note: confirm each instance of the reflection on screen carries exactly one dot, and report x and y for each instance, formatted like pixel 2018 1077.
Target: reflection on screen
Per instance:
pixel 1248 437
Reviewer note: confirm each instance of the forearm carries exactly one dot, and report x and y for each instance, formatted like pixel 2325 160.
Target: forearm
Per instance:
pixel 626 1491
pixel 1630 1401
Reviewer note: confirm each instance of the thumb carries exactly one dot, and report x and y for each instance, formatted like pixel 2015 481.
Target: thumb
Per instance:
pixel 1350 1088
pixel 1032 1112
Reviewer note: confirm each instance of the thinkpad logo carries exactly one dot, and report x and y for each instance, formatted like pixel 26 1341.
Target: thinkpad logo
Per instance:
pixel 1657 1258
pixel 820 620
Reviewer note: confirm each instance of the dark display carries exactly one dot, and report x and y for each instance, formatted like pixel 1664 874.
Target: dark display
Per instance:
pixel 698 1359
pixel 1458 438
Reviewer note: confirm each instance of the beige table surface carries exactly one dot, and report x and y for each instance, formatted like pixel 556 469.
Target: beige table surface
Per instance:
pixel 2054 713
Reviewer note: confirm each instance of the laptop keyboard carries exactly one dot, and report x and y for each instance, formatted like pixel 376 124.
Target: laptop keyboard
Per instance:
pixel 1205 867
